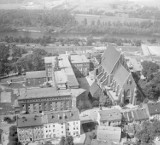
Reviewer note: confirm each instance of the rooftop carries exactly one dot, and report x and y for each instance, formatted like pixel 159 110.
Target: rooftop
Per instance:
pixel 79 59
pixel 62 117
pixel 110 115
pixel 49 92
pixel 29 120
pixel 94 88
pixel 60 77
pixel 110 58
pixel 51 59
pixel 44 92
pixel 66 67
pixel 140 114
pixel 35 74
pixel 133 63
pixel 120 75
pixel 105 133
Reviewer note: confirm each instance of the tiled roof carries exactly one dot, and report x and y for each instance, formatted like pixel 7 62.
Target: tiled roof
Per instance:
pixel 66 67
pixel 29 120
pixel 72 81
pixel 60 77
pixel 110 115
pixel 79 59
pixel 154 108
pixel 110 58
pixel 51 59
pixel 140 114
pixel 120 75
pixel 62 117
pixel 35 74
pixel 105 133
pixel 136 115
pixel 43 93
pixel 93 89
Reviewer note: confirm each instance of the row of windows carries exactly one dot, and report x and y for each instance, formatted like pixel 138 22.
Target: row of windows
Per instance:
pixel 48 99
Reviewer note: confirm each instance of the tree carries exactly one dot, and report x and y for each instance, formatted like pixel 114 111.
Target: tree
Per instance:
pixel 32 62
pixel 4 63
pixel 149 68
pixel 69 140
pixel 62 142
pixel 151 88
pixel 8 119
pixel 146 134
pixel 95 103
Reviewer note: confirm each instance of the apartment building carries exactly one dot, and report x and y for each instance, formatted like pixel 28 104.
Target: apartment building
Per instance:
pixel 38 100
pixel 49 125
pixel 110 117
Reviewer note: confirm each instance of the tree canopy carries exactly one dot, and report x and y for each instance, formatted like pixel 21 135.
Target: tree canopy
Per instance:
pixel 151 85
pixel 149 68
pixel 148 132
pixel 67 141
pixel 32 62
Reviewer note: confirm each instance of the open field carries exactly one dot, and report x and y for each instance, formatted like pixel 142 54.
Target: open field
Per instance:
pixel 103 19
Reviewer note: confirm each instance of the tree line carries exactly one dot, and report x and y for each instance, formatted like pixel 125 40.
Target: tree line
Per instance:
pixel 18 60
pixel 97 26
pixel 50 20
pixel 45 20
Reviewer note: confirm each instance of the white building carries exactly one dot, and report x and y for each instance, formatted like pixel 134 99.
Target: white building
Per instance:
pixel 50 125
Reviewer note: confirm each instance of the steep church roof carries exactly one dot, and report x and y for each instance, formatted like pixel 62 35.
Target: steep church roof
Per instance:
pixel 120 75
pixel 110 58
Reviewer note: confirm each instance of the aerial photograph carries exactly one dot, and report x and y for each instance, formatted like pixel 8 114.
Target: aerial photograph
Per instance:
pixel 79 72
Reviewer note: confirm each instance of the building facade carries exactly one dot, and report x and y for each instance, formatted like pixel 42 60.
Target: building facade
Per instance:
pixel 44 99
pixel 50 125
pixel 35 78
pixel 80 64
